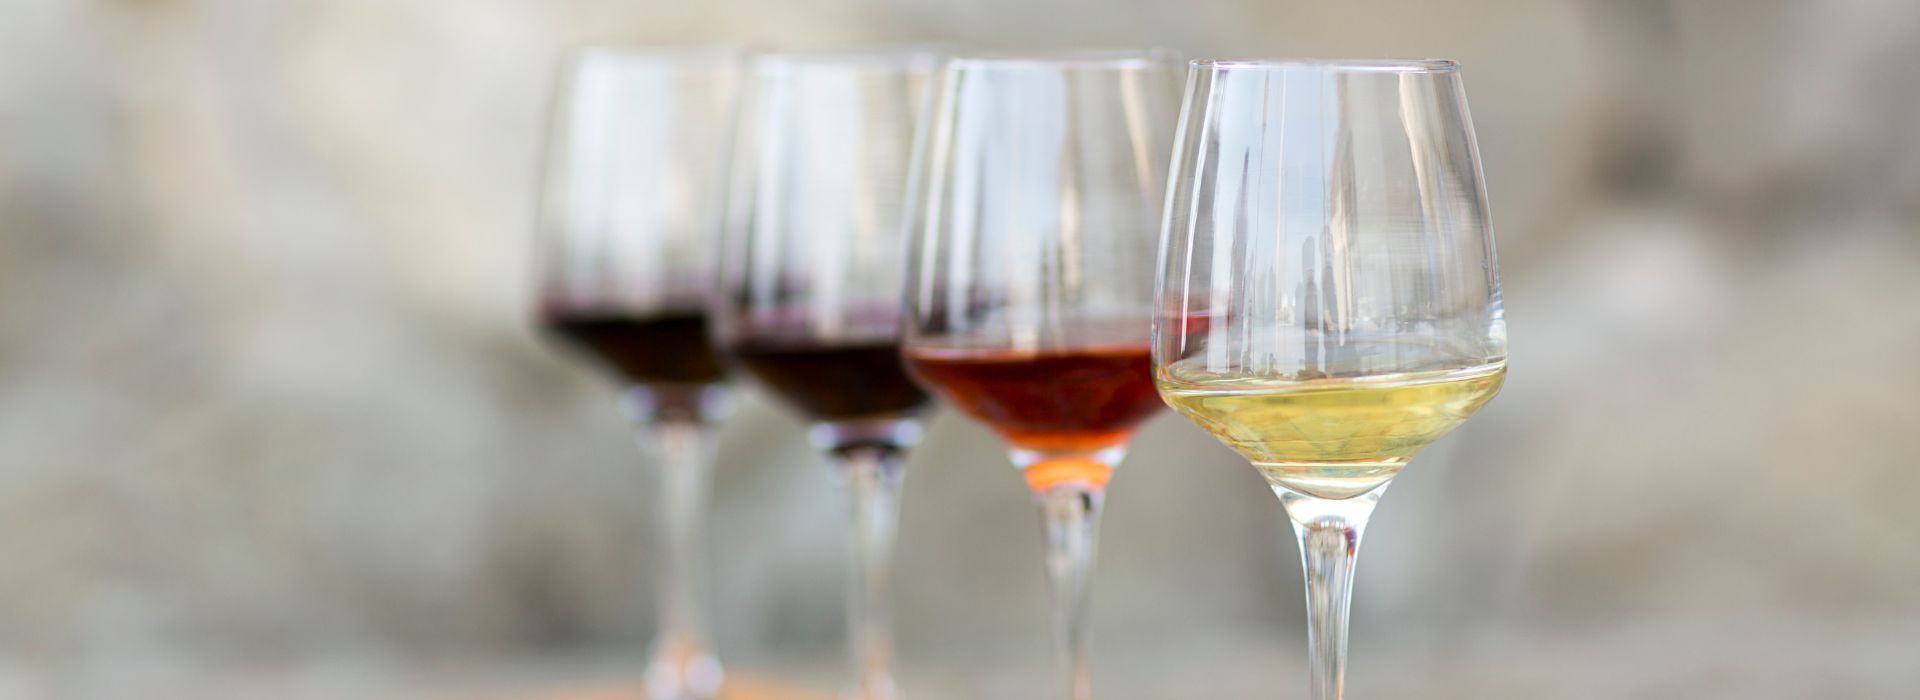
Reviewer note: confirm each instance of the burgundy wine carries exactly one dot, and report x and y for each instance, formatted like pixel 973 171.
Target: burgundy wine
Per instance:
pixel 1067 399
pixel 667 348
pixel 833 382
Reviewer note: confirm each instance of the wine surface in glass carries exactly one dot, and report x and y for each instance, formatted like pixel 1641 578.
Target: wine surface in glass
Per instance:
pixel 834 382
pixel 1054 401
pixel 1336 437
pixel 668 347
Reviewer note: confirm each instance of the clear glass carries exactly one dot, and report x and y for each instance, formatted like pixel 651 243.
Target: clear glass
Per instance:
pixel 1039 187
pixel 1329 299
pixel 814 277
pixel 629 219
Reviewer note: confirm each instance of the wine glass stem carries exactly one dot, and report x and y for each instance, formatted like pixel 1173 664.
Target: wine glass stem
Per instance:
pixel 1329 532
pixel 1071 512
pixel 682 666
pixel 872 477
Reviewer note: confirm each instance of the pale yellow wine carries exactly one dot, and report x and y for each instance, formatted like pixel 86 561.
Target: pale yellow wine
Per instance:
pixel 1334 438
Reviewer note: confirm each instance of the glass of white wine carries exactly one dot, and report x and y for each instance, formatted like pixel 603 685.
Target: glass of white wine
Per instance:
pixel 1329 299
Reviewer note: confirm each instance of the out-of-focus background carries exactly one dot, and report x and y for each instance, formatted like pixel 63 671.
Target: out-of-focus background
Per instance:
pixel 273 424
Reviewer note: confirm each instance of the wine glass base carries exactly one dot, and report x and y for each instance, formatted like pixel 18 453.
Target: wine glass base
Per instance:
pixel 681 670
pixel 882 689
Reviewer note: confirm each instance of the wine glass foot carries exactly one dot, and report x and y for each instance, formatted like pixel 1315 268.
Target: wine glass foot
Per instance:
pixel 871 689
pixel 681 670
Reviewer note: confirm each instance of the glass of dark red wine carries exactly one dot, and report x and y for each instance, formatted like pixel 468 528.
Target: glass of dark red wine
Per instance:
pixel 814 274
pixel 631 205
pixel 1031 291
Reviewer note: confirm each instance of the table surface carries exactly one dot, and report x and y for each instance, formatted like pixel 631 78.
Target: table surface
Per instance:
pixel 736 689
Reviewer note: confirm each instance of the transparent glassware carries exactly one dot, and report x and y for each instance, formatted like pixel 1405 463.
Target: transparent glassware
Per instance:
pixel 814 274
pixel 1329 298
pixel 629 216
pixel 1030 300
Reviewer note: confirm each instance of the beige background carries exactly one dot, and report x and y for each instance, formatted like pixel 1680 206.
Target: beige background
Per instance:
pixel 272 424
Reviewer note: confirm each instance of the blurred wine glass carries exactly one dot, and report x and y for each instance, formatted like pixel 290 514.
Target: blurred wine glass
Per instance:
pixel 1031 290
pixel 1329 299
pixel 629 222
pixel 814 276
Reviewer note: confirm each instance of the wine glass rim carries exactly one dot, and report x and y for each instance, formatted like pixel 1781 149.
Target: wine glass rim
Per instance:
pixel 1080 58
pixel 661 53
pixel 1358 65
pixel 902 56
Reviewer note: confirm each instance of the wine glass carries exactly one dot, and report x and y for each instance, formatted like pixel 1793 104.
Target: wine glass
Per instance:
pixel 1030 298
pixel 813 282
pixel 1329 299
pixel 629 219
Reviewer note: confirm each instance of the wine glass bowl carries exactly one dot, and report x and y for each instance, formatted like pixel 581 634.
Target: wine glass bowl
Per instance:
pixel 813 267
pixel 1040 186
pixel 630 203
pixel 1329 301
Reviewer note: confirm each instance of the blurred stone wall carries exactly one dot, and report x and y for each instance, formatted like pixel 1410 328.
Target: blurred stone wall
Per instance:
pixel 269 409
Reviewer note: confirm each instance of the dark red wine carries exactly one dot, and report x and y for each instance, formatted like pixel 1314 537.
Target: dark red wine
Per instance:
pixel 1066 399
pixel 829 382
pixel 667 348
